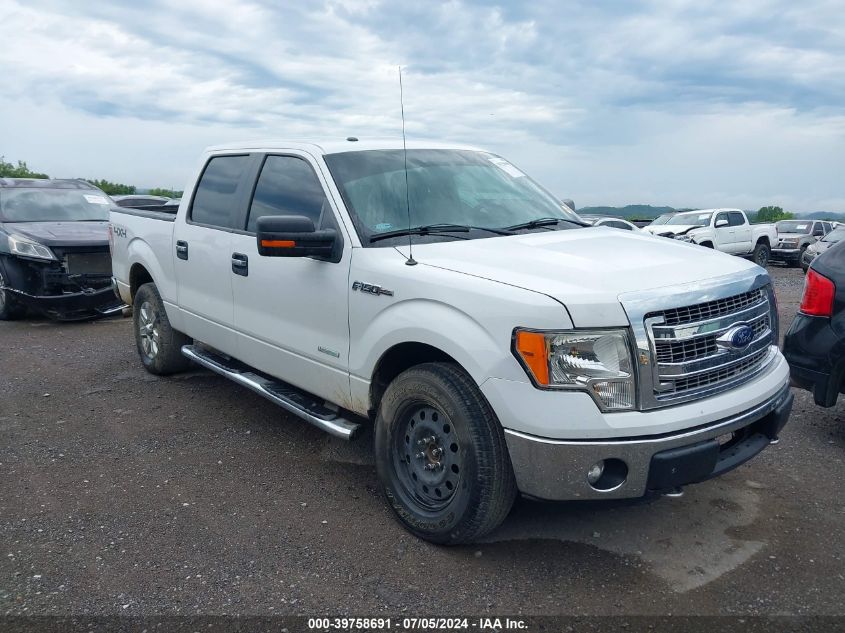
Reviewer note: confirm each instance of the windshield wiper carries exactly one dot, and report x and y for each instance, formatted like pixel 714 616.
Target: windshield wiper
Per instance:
pixel 540 222
pixel 429 229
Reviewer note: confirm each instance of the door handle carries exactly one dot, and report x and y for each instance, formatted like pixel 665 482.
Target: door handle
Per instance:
pixel 240 264
pixel 181 249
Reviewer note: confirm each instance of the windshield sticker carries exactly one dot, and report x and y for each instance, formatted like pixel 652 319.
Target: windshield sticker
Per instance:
pixel 704 216
pixel 383 226
pixel 95 199
pixel 801 227
pixel 506 167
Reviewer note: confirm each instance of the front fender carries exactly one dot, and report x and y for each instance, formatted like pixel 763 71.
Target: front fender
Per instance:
pixel 445 327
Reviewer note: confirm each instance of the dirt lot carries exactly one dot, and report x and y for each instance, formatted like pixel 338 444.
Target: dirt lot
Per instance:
pixel 123 493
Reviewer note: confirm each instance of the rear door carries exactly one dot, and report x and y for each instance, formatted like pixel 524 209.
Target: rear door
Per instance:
pixel 292 313
pixel 202 251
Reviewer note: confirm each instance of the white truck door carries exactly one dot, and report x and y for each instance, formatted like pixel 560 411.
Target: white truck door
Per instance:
pixel 723 233
pixel 202 245
pixel 292 313
pixel 742 232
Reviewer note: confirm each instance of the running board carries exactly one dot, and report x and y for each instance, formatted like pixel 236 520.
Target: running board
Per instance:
pixel 294 400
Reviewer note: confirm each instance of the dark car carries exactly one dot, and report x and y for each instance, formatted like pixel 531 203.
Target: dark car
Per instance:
pixel 815 342
pixel 817 248
pixel 54 249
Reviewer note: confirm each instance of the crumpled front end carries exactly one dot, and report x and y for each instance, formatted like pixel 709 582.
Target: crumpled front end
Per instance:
pixel 76 285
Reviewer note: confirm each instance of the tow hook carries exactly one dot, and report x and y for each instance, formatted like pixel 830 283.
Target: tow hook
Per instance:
pixel 674 492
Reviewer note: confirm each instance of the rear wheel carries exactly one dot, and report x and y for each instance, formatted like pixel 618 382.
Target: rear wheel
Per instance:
pixel 761 254
pixel 159 345
pixel 441 455
pixel 10 308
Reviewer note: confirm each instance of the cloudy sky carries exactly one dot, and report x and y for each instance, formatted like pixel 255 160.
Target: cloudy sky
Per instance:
pixel 675 102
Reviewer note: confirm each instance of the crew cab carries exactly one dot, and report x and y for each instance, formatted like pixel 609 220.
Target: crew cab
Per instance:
pixel 54 253
pixel 794 237
pixel 496 343
pixel 726 230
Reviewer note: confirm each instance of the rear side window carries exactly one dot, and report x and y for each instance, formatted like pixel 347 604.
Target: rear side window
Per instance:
pixel 735 218
pixel 287 186
pixel 217 191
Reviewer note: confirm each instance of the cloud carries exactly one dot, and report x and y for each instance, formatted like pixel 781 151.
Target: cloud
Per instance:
pixel 648 101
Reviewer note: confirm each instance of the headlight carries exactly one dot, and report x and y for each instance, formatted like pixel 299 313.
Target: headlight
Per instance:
pixel 596 361
pixel 28 248
pixel 684 237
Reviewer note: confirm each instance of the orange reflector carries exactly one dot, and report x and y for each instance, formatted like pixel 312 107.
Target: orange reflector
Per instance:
pixel 532 349
pixel 278 243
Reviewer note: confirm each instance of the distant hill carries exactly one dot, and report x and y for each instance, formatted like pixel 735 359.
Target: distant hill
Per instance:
pixel 631 211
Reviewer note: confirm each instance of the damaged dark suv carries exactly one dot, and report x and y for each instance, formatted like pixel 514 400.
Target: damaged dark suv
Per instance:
pixel 54 249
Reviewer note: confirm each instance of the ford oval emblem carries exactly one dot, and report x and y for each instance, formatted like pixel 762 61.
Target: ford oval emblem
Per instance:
pixel 737 337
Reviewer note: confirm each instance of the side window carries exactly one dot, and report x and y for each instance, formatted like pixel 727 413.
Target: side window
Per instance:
pixel 217 191
pixel 720 216
pixel 827 227
pixel 617 225
pixel 736 218
pixel 287 186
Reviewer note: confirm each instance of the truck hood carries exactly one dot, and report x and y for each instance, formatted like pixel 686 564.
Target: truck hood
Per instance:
pixel 675 229
pixel 584 269
pixel 62 233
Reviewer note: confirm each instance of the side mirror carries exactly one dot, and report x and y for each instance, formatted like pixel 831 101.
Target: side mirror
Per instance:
pixel 721 223
pixel 294 236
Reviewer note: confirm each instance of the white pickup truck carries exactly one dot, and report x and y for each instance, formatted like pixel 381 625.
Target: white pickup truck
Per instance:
pixel 726 230
pixel 495 344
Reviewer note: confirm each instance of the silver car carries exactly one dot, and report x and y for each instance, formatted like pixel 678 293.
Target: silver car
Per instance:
pixel 817 248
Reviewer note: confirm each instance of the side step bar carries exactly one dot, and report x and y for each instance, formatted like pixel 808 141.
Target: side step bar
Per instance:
pixel 286 396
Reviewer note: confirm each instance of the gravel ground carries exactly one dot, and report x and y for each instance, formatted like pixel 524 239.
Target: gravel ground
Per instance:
pixel 123 493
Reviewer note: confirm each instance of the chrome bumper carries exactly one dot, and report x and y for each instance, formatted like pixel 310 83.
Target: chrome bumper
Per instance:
pixel 557 469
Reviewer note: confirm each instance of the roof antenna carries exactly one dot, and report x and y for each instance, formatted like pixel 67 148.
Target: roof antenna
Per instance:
pixel 410 261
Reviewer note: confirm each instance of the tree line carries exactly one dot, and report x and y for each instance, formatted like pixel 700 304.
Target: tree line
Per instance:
pixel 22 170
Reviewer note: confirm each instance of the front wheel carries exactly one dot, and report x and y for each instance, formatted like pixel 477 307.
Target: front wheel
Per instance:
pixel 761 255
pixel 159 345
pixel 441 455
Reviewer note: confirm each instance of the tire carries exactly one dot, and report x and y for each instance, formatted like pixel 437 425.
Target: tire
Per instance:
pixel 800 259
pixel 707 244
pixel 434 415
pixel 761 254
pixel 159 345
pixel 10 308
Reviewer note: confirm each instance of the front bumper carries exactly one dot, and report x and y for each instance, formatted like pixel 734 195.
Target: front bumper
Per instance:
pixel 70 306
pixel 790 255
pixel 557 469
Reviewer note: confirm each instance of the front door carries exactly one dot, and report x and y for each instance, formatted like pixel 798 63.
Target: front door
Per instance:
pixel 742 233
pixel 723 235
pixel 292 313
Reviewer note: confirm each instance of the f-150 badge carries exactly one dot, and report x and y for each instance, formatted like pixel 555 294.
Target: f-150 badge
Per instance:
pixel 372 289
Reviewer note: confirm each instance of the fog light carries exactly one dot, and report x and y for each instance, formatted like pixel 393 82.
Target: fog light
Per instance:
pixel 595 472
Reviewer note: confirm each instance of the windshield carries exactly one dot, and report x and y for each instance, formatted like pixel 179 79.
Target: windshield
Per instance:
pixel 793 226
pixel 690 219
pixel 457 187
pixel 662 219
pixel 835 235
pixel 53 205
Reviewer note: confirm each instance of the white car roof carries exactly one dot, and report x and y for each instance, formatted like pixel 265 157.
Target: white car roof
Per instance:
pixel 334 146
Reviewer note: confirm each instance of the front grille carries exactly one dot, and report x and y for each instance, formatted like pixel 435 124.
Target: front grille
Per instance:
pixel 691 361
pixel 711 309
pixel 88 263
pixel 720 375
pixel 683 351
